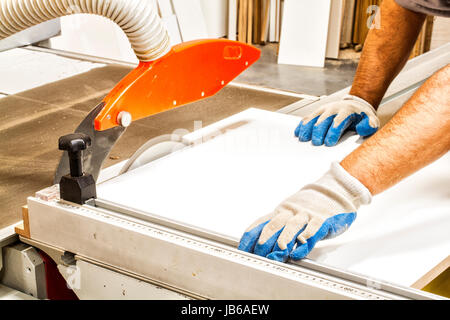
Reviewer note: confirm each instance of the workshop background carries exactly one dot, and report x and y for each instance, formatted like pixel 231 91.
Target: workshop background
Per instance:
pixel 53 74
pixel 307 51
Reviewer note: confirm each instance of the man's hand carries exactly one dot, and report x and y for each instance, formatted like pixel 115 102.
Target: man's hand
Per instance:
pixel 329 122
pixel 320 210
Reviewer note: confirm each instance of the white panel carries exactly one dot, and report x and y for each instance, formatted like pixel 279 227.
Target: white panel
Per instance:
pixel 215 14
pixel 31 35
pixel 232 19
pixel 304 32
pixel 93 35
pixel 23 69
pixel 279 16
pixel 273 20
pixel 252 161
pixel 171 24
pixel 190 19
pixel 165 8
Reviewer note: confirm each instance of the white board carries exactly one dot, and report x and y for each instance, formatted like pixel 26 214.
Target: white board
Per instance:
pixel 215 15
pixel 95 36
pixel 23 69
pixel 42 31
pixel 171 24
pixel 165 8
pixel 232 19
pixel 251 161
pixel 190 19
pixel 304 32
pixel 169 19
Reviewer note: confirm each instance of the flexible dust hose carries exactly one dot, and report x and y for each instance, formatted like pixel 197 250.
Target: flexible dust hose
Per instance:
pixel 139 20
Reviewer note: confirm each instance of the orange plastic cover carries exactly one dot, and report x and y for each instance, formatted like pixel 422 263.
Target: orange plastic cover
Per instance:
pixel 189 72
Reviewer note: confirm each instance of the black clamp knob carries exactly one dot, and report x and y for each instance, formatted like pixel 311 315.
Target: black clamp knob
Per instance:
pixel 74 144
pixel 77 186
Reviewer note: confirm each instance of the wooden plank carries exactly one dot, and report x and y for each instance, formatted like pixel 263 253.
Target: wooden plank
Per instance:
pixel 423 41
pixel 304 33
pixel 245 20
pixel 365 13
pixel 334 29
pixel 24 229
pixel 280 5
pixel 347 23
pixel 432 274
pixel 255 21
pixel 249 21
pixel 242 31
pixel 241 20
pixel 265 22
pixel 428 33
pixel 440 285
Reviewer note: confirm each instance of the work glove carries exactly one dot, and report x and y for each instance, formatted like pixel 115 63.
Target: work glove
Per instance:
pixel 329 122
pixel 320 210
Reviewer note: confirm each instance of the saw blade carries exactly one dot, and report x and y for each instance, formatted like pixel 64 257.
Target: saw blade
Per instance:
pixel 95 155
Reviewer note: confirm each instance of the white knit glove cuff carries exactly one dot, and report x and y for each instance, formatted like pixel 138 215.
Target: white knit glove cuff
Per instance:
pixel 361 100
pixel 350 185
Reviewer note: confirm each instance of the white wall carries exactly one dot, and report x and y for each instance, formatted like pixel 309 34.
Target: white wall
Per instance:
pixel 215 13
pixel 93 35
pixel 98 36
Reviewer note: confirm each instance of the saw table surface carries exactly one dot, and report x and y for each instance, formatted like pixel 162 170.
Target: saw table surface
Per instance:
pixel 249 162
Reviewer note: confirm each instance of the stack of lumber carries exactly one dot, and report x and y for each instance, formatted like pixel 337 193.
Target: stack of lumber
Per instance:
pixel 424 40
pixel 365 16
pixel 253 21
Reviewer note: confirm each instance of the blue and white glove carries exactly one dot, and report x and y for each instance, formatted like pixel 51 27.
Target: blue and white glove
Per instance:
pixel 329 122
pixel 320 210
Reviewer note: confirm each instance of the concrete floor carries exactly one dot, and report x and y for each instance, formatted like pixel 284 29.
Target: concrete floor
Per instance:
pixel 266 72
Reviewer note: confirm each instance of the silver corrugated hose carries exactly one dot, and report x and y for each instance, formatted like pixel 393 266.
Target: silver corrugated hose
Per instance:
pixel 139 20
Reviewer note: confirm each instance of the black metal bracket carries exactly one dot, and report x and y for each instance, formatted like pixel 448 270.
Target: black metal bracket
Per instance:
pixel 77 186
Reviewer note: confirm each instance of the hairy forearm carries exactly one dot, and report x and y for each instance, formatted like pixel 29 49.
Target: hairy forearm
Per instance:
pixel 417 135
pixel 386 51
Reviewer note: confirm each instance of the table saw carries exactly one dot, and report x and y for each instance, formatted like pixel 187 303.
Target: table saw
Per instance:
pixel 162 223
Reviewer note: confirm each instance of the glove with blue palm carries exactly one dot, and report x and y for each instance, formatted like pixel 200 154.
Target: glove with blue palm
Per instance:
pixel 320 210
pixel 327 124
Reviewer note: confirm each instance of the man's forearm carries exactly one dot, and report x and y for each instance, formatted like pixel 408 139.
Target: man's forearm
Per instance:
pixel 386 51
pixel 417 135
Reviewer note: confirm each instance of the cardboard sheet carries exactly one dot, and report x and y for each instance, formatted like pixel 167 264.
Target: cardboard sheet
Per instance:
pixel 248 163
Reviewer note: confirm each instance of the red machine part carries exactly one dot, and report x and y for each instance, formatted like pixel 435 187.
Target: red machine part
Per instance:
pixel 189 72
pixel 56 285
